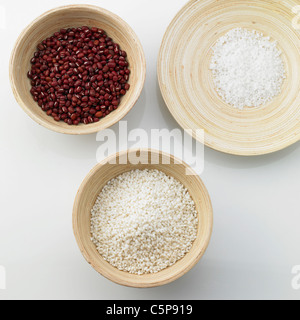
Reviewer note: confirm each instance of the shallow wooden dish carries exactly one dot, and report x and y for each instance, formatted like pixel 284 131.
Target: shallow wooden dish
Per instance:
pixel 87 195
pixel 66 17
pixel 187 85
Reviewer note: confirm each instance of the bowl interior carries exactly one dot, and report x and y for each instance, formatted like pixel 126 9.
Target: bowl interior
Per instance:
pixel 89 192
pixel 67 17
pixel 187 83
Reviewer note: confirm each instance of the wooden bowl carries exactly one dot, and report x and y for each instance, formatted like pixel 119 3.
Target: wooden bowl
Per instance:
pixel 186 80
pixel 66 17
pixel 92 186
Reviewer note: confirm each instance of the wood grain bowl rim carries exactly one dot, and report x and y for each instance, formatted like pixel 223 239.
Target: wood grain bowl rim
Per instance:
pixel 225 148
pixel 144 284
pixel 81 129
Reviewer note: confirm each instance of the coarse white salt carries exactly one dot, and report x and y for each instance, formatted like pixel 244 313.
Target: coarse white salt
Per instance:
pixel 247 68
pixel 144 221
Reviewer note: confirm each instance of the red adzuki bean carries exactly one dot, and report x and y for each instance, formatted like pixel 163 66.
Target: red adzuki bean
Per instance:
pixel 79 75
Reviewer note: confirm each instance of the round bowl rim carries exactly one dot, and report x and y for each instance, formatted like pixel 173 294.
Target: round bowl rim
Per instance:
pixel 212 145
pixel 140 284
pixel 77 130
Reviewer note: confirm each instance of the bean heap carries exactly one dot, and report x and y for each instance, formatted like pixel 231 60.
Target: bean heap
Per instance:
pixel 79 75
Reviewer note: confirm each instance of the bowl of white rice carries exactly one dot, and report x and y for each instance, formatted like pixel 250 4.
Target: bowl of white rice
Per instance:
pixel 142 225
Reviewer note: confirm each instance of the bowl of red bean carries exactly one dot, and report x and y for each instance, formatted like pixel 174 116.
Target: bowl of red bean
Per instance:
pixel 77 69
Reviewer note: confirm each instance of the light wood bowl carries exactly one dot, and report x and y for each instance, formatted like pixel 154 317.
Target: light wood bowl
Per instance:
pixel 186 80
pixel 66 17
pixel 88 193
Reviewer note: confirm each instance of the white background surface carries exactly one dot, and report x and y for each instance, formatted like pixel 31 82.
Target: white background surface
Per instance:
pixel 256 238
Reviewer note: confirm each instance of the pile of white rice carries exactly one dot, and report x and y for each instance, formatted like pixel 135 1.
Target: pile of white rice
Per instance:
pixel 248 69
pixel 144 221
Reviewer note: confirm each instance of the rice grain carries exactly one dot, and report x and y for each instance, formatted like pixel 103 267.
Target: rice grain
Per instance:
pixel 144 221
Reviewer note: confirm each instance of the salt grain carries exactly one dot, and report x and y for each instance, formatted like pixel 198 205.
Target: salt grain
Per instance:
pixel 144 221
pixel 248 69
